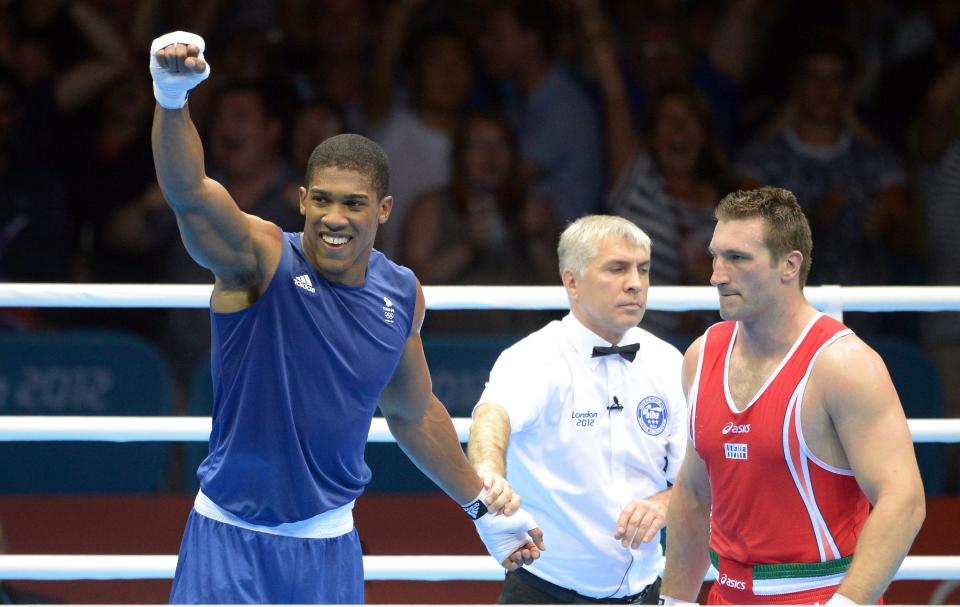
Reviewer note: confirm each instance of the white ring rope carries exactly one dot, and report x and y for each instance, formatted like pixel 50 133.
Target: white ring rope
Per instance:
pixel 833 299
pixel 425 568
pixel 121 429
pixel 828 297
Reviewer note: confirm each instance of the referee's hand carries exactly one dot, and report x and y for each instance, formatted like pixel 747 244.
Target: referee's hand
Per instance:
pixel 500 497
pixel 640 522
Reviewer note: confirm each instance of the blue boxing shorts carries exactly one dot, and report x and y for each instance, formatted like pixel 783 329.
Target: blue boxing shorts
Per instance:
pixel 224 563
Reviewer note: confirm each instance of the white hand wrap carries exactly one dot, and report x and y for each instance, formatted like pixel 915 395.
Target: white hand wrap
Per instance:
pixel 170 88
pixel 839 599
pixel 669 600
pixel 502 535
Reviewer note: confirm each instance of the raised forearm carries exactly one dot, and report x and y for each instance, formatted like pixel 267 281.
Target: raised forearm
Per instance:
pixel 177 153
pixel 884 542
pixel 431 443
pixel 731 46
pixel 99 33
pixel 622 145
pixel 391 39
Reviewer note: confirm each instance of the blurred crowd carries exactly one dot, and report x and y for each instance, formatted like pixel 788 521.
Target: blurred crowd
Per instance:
pixel 503 121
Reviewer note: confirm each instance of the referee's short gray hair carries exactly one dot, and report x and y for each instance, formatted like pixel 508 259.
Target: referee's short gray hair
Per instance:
pixel 578 242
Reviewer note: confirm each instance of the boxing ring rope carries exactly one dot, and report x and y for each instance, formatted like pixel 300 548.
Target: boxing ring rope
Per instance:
pixel 832 299
pixel 121 429
pixel 419 568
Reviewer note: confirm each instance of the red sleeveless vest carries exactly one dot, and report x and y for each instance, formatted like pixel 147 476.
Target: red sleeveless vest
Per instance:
pixel 782 521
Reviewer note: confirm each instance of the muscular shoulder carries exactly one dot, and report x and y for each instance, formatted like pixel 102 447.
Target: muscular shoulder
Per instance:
pixel 847 359
pixel 848 372
pixel 257 264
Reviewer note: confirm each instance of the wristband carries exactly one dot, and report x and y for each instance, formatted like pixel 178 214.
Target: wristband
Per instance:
pixel 669 600
pixel 170 89
pixel 839 599
pixel 477 507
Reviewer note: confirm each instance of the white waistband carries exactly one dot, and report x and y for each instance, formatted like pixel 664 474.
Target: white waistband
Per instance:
pixel 332 523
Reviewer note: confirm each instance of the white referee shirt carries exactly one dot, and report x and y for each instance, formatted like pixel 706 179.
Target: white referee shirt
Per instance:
pixel 576 463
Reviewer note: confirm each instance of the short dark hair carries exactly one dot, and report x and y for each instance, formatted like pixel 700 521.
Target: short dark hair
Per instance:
pixel 787 228
pixel 351 152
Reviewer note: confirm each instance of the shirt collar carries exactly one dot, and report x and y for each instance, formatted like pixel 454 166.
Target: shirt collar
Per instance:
pixel 823 153
pixel 583 340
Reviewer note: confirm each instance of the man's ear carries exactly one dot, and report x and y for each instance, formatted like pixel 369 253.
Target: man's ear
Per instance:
pixel 792 264
pixel 303 200
pixel 569 282
pixel 386 207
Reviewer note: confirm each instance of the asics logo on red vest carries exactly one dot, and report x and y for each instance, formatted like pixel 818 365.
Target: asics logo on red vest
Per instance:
pixel 729 582
pixel 732 427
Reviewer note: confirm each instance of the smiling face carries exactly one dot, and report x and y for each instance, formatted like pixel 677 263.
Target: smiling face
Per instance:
pixel 746 275
pixel 678 137
pixel 342 214
pixel 611 295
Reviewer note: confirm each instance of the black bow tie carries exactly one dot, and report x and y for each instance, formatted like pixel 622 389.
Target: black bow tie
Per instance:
pixel 629 351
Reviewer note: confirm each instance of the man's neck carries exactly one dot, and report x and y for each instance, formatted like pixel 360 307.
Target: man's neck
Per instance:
pixel 822 134
pixel 777 330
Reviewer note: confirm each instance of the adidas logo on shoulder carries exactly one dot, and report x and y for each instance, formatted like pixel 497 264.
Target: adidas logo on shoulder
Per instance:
pixel 303 281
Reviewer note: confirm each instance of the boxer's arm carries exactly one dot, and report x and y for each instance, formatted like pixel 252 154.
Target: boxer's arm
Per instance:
pixel 238 248
pixel 864 408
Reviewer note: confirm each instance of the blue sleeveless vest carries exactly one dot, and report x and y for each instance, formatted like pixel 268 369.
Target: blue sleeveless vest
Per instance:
pixel 296 379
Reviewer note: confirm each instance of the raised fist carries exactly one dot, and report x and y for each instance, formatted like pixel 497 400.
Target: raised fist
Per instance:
pixel 177 65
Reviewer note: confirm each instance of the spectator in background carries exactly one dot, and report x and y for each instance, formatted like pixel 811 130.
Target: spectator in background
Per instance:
pixel 484 229
pixel 56 58
pixel 113 166
pixel 938 180
pixel 668 184
pixel 37 234
pixel 930 44
pixel 315 120
pixel 65 52
pixel 706 45
pixel 851 187
pixel 558 130
pixel 415 119
pixel 325 50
